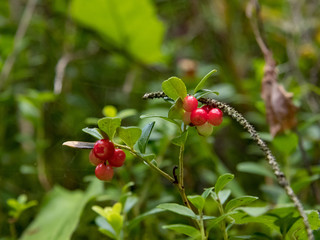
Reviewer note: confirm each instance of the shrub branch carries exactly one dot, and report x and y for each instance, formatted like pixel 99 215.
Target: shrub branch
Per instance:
pixel 281 178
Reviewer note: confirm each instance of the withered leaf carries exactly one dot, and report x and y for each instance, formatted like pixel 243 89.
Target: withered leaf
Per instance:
pixel 279 107
pixel 78 144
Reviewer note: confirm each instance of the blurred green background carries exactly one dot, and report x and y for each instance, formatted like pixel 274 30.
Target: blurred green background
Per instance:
pixel 62 62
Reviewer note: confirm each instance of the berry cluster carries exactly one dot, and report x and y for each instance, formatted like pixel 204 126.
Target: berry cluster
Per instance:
pixel 105 156
pixel 203 118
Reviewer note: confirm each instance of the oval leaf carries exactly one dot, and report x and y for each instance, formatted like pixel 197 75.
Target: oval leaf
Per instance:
pixel 145 135
pixel 203 80
pixel 174 88
pixel 240 201
pixel 95 132
pixel 129 135
pixel 109 125
pixel 197 201
pixel 179 209
pixel 222 181
pixel 78 144
pixel 184 229
pixel 162 117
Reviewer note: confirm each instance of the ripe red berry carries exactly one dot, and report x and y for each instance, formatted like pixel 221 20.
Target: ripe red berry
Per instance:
pixel 104 172
pixel 198 116
pixel 190 103
pixel 94 160
pixel 207 108
pixel 103 149
pixel 215 116
pixel 118 158
pixel 205 129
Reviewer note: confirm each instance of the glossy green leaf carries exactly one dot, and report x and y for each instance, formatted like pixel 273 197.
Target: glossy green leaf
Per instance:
pixel 180 140
pixel 224 195
pixel 203 80
pixel 184 229
pixel 207 192
pixel 174 88
pixel 129 26
pixel 129 135
pixel 60 213
pixel 197 201
pixel 129 204
pixel 203 92
pixel 145 135
pixel 95 132
pixel 109 125
pixel 222 181
pixel 240 201
pixel 179 209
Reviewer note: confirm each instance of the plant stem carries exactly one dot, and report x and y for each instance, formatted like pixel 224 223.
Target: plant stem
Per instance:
pixel 13 229
pixel 222 224
pixel 137 155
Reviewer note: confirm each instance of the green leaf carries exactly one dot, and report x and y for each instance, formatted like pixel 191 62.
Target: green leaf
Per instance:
pixel 109 125
pixel 95 132
pixel 216 221
pixel 130 26
pixel 203 92
pixel 240 201
pixel 184 229
pixel 224 195
pixel 145 135
pixel 255 168
pixel 197 201
pixel 162 117
pixel 60 213
pixel 139 218
pixel 174 88
pixel 222 181
pixel 180 140
pixel 105 227
pixel 129 135
pixel 179 209
pixel 203 80
pixel 176 110
pixel 130 202
pixel 207 192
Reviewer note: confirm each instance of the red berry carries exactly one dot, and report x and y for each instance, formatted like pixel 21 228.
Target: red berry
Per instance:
pixel 103 149
pixel 104 172
pixel 205 129
pixel 207 108
pixel 118 158
pixel 186 118
pixel 190 103
pixel 215 116
pixel 198 116
pixel 94 160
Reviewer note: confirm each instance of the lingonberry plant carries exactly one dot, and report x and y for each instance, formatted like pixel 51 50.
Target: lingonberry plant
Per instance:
pixel 189 111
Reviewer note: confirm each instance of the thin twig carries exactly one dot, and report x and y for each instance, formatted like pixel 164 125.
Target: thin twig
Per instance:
pixel 281 178
pixel 22 28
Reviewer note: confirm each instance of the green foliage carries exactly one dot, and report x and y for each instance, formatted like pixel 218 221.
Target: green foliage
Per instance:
pixel 129 135
pixel 19 205
pixel 145 135
pixel 109 125
pixel 60 213
pixel 130 25
pixel 222 181
pixel 174 88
